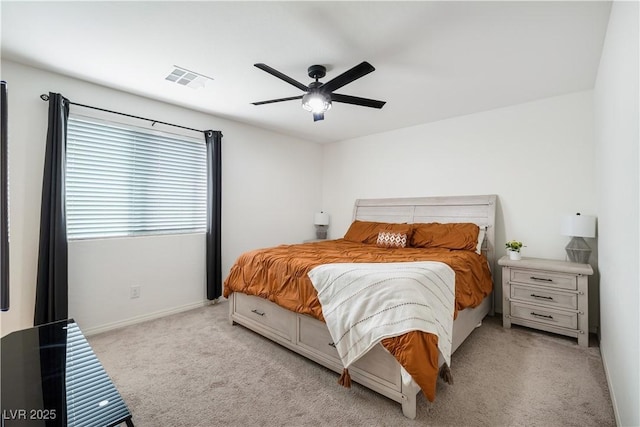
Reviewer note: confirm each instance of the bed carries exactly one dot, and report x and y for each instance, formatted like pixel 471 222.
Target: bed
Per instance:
pixel 287 311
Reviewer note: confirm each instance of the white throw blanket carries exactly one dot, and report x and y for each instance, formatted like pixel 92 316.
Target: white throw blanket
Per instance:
pixel 363 303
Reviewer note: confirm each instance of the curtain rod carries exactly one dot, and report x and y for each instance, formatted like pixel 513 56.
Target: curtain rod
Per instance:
pixel 45 97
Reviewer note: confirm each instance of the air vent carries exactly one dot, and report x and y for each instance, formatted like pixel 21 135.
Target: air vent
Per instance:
pixel 188 78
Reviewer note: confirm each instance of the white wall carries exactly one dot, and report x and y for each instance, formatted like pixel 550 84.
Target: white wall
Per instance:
pixel 271 186
pixel 616 105
pixel 537 157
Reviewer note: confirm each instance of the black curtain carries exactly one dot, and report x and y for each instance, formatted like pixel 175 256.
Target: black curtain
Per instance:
pixel 4 199
pixel 213 140
pixel 51 286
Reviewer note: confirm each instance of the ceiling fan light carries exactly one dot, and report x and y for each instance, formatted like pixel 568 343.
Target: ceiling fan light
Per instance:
pixel 316 102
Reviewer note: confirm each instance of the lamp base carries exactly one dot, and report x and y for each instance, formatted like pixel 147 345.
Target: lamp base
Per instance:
pixel 578 250
pixel 321 232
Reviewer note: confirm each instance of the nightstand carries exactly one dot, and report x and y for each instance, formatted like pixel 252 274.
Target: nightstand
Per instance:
pixel 546 294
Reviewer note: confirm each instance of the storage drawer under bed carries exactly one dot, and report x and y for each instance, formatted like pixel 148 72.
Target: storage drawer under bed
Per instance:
pixel 267 314
pixel 378 362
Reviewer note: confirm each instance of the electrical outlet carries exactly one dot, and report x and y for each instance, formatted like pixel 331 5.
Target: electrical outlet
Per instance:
pixel 135 292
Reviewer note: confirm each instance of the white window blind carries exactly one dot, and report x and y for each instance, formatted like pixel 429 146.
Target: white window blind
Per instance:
pixel 124 181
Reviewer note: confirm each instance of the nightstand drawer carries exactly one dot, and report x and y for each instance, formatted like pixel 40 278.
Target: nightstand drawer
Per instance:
pixel 545 296
pixel 545 278
pixel 544 315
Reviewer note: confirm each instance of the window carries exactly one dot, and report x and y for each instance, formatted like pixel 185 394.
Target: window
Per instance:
pixel 126 181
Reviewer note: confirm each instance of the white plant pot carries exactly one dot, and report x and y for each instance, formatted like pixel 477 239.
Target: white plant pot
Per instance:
pixel 516 256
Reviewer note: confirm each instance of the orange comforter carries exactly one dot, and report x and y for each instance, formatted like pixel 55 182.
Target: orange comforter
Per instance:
pixel 279 274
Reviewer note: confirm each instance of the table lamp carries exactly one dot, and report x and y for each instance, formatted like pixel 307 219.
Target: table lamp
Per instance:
pixel 321 221
pixel 578 226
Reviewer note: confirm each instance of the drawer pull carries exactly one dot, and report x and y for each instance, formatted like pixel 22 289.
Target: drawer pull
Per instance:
pixel 259 313
pixel 542 297
pixel 541 315
pixel 331 344
pixel 541 279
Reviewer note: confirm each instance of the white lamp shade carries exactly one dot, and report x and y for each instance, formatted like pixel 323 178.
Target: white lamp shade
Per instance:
pixel 579 226
pixel 321 218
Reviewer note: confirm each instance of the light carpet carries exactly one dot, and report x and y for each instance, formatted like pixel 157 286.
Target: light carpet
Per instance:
pixel 195 369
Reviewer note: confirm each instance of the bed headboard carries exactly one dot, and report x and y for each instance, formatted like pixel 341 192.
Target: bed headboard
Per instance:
pixel 479 210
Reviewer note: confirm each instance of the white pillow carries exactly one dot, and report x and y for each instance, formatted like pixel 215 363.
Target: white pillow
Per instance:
pixel 391 240
pixel 481 234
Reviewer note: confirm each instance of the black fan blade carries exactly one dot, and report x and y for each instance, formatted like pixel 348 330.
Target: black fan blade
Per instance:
pixel 318 116
pixel 271 101
pixel 347 77
pixel 281 76
pixel 365 102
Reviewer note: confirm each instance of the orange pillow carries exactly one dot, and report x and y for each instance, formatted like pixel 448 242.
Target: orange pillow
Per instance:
pixel 451 236
pixel 367 231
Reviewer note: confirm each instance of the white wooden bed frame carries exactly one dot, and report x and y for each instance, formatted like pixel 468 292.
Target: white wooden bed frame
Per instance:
pixel 378 369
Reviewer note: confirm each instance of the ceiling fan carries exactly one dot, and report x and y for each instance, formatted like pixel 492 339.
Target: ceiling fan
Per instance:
pixel 319 96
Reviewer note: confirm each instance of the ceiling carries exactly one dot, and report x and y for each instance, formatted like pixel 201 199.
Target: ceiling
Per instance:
pixel 433 60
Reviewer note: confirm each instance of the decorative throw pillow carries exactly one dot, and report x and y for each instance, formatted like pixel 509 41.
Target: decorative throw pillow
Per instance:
pixel 391 240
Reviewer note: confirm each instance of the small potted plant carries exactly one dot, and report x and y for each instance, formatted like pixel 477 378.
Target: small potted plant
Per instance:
pixel 513 249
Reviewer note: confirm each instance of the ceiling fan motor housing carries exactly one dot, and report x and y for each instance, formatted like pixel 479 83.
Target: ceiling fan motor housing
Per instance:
pixel 317 71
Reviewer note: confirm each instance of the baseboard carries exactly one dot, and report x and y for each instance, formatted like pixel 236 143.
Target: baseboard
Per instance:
pixel 611 392
pixel 144 318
